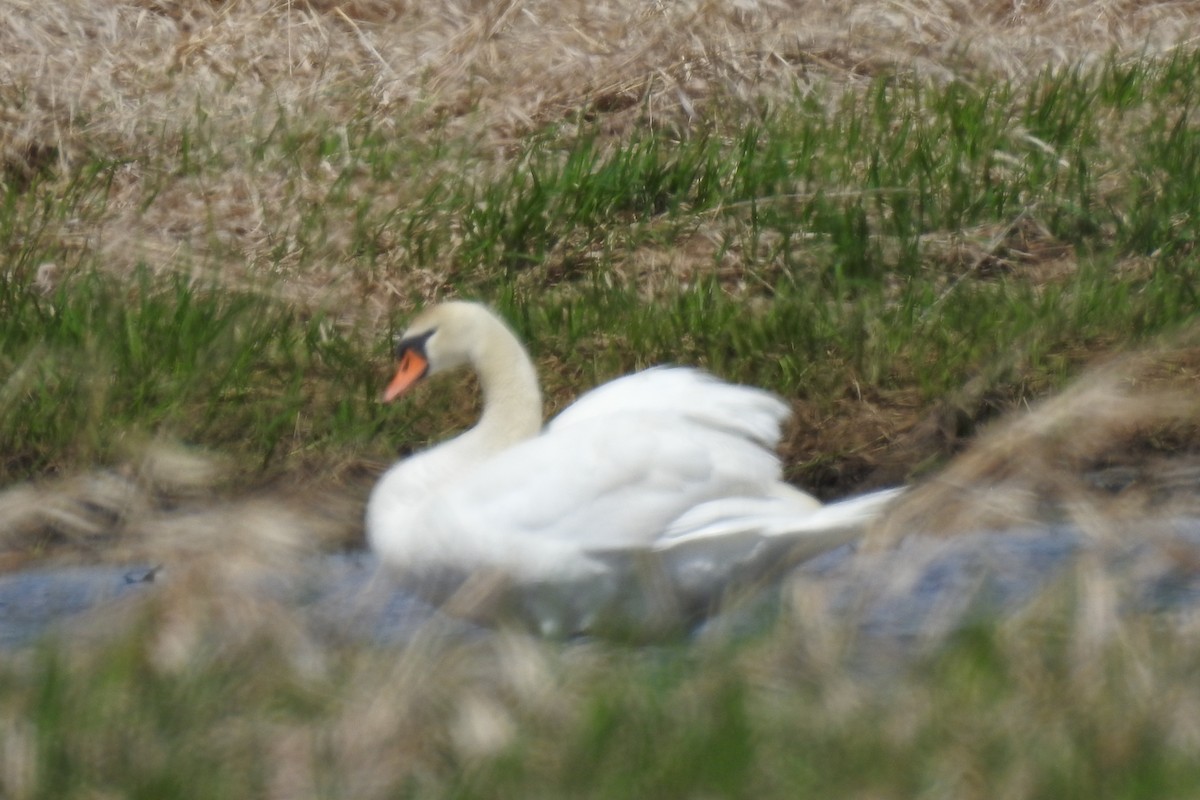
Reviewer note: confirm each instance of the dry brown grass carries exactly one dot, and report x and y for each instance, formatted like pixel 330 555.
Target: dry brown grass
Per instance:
pixel 1118 445
pixel 122 79
pixel 168 504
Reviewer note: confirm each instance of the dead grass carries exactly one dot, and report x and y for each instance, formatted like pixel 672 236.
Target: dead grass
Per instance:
pixel 172 505
pixel 1119 444
pixel 123 80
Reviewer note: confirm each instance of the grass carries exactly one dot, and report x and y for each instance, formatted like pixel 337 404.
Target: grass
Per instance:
pixel 907 241
pixel 212 254
pixel 1032 709
pixel 98 360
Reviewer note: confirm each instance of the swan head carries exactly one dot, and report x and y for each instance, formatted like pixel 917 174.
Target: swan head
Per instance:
pixel 442 338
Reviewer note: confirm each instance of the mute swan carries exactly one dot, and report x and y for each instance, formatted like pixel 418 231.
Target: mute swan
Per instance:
pixel 634 510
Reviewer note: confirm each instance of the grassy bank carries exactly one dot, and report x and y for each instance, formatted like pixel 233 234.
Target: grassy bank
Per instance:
pixel 891 246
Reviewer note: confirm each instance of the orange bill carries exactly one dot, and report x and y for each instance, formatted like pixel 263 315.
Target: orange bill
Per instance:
pixel 412 368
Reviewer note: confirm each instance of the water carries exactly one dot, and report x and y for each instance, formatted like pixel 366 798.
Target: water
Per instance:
pixel 901 599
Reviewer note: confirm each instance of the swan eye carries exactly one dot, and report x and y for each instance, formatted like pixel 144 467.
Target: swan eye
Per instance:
pixel 416 342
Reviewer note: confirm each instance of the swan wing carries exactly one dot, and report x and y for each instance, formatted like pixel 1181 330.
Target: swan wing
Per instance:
pixel 737 541
pixel 689 393
pixel 771 516
pixel 540 508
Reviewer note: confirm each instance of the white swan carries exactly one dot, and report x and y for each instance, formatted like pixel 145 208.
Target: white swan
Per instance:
pixel 636 508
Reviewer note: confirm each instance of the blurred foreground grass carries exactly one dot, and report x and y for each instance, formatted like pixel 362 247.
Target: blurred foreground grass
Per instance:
pixel 1066 701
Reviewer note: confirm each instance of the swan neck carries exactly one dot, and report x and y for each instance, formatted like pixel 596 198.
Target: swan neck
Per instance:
pixel 512 401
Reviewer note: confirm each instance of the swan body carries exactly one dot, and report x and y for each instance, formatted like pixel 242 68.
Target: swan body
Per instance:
pixel 639 506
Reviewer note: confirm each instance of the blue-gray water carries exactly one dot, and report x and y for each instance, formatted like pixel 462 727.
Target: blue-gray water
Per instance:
pixel 922 590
